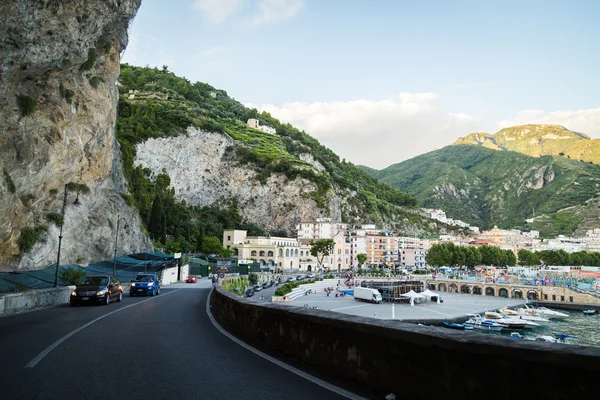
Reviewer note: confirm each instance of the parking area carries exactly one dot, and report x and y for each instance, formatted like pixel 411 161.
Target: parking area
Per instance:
pixel 454 305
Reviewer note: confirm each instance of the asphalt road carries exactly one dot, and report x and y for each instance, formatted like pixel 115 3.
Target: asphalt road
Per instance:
pixel 162 347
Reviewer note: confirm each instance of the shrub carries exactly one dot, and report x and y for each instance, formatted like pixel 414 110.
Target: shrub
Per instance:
pixel 53 192
pixel 68 95
pixel 89 64
pixel 253 278
pixel 30 236
pixel 21 287
pixel 55 218
pixel 26 104
pixel 95 81
pixel 107 47
pixel 66 63
pixel 9 182
pixel 78 187
pixel 72 276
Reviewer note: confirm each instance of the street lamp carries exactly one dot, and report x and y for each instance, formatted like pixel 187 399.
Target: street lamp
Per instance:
pixel 119 218
pixel 77 203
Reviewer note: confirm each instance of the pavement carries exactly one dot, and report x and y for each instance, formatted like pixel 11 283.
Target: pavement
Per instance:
pixel 162 347
pixel 454 305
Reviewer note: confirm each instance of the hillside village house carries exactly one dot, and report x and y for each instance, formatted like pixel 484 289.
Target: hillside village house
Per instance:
pixel 275 253
pixel 326 228
pixel 254 123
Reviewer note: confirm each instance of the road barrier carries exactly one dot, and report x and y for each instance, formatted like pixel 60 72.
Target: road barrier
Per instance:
pixel 411 360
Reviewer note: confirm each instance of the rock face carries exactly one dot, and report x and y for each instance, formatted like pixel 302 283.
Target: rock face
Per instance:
pixel 203 170
pixel 59 64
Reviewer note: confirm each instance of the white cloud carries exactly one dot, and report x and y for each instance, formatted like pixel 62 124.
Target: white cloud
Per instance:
pixel 219 10
pixel 253 12
pixel 378 133
pixel 583 121
pixel 276 10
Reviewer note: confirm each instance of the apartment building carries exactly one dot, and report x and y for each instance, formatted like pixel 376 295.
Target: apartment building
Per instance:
pixel 275 253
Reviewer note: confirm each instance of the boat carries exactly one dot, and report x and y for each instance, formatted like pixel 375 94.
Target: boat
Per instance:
pixel 545 313
pixel 453 325
pixel 505 321
pixel 479 322
pixel 468 327
pixel 515 335
pixel 522 313
pixel 559 338
pixel 589 312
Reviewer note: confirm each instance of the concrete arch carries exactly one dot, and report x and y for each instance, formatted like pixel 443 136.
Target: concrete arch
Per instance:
pixel 253 253
pixel 270 254
pixel 465 289
pixel 261 253
pixel 517 294
pixel 262 262
pixel 477 290
pixel 431 286
pixel 442 287
pixel 453 288
pixel 490 291
pixel 503 292
pixel 532 295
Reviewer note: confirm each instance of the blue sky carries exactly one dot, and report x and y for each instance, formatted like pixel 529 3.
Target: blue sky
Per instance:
pixel 413 75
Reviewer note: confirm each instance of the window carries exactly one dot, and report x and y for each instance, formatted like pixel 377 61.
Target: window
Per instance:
pixel 545 297
pixel 262 253
pixel 562 298
pixel 553 297
pixel 253 253
pixel 571 299
pixel 287 252
pixel 228 237
pixel 270 254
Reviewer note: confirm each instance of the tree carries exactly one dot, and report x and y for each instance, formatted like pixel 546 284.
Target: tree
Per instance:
pixel 72 276
pixel 212 245
pixel 438 255
pixel 321 248
pixel 362 258
pixel 528 258
pixel 155 225
pixel 253 278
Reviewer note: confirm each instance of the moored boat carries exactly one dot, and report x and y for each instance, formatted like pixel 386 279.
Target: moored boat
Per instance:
pixel 484 324
pixel 589 312
pixel 453 325
pixel 545 312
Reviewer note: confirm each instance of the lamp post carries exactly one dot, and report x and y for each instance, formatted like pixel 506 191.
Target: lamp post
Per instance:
pixel 60 236
pixel 119 218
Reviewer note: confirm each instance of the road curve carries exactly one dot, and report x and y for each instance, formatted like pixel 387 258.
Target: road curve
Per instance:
pixel 161 348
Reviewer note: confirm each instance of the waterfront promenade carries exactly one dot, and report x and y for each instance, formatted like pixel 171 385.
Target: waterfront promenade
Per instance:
pixel 455 305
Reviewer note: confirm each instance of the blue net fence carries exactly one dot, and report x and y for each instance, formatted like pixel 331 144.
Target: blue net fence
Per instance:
pixel 126 268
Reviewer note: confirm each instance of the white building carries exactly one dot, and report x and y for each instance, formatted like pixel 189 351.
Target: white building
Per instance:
pixel 322 228
pixel 254 123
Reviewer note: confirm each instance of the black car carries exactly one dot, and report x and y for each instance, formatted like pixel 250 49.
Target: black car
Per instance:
pixel 97 289
pixel 249 293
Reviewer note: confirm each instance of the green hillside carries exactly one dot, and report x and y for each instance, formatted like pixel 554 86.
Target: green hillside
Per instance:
pixel 163 105
pixel 539 140
pixel 487 187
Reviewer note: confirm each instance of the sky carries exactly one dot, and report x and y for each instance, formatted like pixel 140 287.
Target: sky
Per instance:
pixel 382 81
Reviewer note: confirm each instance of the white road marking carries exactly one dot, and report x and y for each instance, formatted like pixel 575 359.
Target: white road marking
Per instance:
pixel 302 374
pixel 346 308
pixel 54 345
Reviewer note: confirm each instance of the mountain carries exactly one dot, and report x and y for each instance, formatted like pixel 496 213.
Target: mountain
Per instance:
pixel 539 140
pixel 59 61
pixel 488 187
pixel 196 138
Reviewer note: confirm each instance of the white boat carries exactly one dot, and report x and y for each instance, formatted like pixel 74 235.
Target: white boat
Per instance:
pixel 546 313
pixel 505 321
pixel 522 313
pixel 484 324
pixel 535 319
pixel 515 335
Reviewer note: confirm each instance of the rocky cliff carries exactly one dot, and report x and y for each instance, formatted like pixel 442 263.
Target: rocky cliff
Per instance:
pixel 59 64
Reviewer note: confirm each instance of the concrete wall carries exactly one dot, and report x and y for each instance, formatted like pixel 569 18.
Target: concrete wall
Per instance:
pixel 169 275
pixel 16 302
pixel 410 360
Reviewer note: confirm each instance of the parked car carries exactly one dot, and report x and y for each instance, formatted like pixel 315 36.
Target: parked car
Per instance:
pixel 310 276
pixel 97 289
pixel 147 284
pixel 291 279
pixel 249 293
pixel 299 277
pixel 257 288
pixel 266 285
pixel 191 279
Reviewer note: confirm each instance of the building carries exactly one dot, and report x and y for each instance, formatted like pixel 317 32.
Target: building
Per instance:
pixel 321 228
pixel 412 257
pixel 275 253
pixel 254 123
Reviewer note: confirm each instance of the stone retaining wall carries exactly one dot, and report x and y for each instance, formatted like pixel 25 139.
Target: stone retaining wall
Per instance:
pixel 410 360
pixel 12 303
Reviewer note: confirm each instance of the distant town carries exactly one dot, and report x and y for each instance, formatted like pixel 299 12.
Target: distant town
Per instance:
pixel 385 248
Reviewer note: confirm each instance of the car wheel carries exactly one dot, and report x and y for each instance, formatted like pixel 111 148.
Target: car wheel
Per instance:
pixel 157 291
pixel 72 304
pixel 120 296
pixel 153 292
pixel 107 301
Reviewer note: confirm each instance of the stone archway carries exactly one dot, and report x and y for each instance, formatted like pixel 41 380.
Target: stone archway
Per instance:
pixel 431 286
pixel 503 292
pixel 477 290
pixel 453 288
pixel 532 295
pixel 442 287
pixel 465 289
pixel 517 294
pixel 490 291
pixel 309 268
